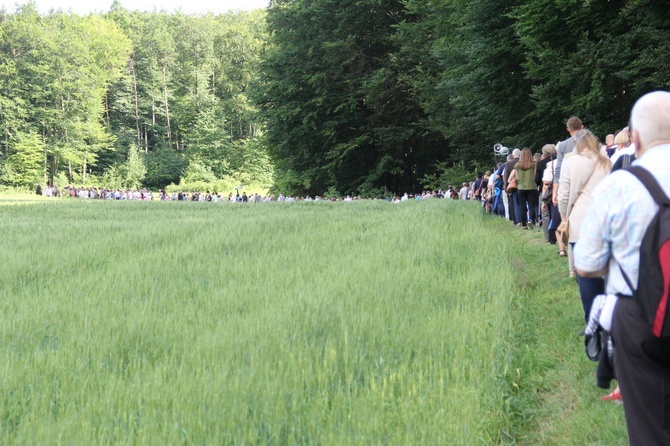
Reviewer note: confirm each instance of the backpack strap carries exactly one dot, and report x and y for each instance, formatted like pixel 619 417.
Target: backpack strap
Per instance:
pixel 656 192
pixel 648 180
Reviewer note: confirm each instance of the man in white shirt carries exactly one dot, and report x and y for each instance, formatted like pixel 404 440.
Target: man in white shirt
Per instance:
pixel 463 193
pixel 620 212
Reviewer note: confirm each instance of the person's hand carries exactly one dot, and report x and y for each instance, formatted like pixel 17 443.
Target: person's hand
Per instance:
pixel 554 195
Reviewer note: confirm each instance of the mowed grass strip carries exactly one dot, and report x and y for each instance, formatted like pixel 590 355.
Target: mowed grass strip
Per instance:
pixel 554 398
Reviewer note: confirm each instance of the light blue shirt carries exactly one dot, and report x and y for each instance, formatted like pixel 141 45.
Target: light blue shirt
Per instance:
pixel 620 211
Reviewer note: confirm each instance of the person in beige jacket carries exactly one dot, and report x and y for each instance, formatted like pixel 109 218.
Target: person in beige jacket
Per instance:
pixel 580 174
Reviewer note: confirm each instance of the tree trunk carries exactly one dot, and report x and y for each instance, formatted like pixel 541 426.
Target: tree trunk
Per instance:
pixel 83 173
pixel 131 64
pixel 54 168
pixel 46 166
pixel 107 107
pixel 167 107
pixel 197 96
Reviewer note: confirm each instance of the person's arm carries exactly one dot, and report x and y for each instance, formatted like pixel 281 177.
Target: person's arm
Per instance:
pixel 592 252
pixel 557 171
pixel 559 162
pixel 563 195
pixel 595 274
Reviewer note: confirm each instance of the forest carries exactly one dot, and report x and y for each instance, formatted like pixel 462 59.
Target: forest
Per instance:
pixel 130 99
pixel 369 97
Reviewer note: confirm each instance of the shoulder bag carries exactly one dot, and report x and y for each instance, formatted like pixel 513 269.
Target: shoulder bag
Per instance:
pixel 512 182
pixel 563 230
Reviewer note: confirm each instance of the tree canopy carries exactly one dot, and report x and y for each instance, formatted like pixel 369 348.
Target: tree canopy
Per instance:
pixel 363 95
pixel 350 96
pixel 97 90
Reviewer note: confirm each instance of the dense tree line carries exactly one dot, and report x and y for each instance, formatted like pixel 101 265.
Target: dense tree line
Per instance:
pixel 354 96
pixel 129 98
pixel 363 95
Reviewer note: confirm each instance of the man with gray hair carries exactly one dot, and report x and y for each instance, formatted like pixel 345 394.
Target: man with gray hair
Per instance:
pixel 609 244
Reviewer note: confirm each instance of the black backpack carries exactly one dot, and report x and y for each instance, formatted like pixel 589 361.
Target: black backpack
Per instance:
pixel 653 291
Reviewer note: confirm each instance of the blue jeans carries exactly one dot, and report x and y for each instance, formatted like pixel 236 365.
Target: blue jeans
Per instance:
pixel 589 288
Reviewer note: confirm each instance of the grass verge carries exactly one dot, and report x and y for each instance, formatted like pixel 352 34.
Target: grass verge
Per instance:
pixel 554 397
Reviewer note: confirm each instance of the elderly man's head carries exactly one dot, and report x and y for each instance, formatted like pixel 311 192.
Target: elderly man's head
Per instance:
pixel 516 153
pixel 650 120
pixel 549 150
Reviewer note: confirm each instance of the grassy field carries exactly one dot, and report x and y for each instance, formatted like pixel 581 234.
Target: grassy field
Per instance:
pixel 342 323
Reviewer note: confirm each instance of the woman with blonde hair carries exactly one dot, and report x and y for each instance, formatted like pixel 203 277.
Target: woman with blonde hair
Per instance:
pixel 623 145
pixel 526 189
pixel 580 174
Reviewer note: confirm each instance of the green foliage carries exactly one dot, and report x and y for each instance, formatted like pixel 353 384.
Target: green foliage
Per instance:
pixel 98 87
pixel 368 94
pixel 135 169
pixel 359 96
pixel 198 172
pixel 446 176
pixel 339 108
pixel 25 165
pixel 163 167
pixel 129 175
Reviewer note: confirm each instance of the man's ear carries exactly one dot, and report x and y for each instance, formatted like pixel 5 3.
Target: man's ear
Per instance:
pixel 638 145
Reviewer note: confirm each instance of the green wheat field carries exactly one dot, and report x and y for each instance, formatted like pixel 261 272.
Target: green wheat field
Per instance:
pixel 277 323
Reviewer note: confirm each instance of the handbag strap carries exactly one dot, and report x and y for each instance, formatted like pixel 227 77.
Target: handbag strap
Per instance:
pixel 579 194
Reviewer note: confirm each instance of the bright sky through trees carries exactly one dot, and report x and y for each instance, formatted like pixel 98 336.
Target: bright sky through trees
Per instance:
pixel 186 6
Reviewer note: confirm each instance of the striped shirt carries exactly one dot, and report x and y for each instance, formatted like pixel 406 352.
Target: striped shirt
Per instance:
pixel 618 216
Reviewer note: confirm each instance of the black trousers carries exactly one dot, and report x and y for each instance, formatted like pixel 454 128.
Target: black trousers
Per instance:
pixel 527 205
pixel 644 383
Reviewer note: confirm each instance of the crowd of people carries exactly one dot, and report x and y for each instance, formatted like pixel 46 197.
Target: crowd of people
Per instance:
pixel 94 193
pixel 587 201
